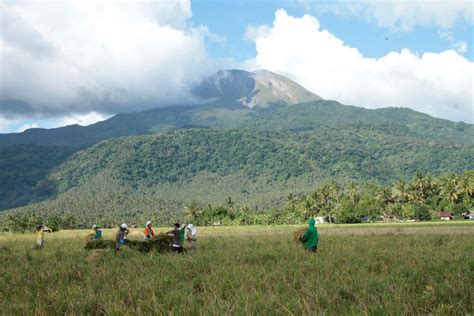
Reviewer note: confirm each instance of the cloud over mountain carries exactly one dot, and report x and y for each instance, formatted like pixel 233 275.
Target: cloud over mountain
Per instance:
pixel 78 57
pixel 439 84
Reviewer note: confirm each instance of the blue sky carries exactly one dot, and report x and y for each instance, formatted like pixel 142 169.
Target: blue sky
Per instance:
pixel 70 62
pixel 229 19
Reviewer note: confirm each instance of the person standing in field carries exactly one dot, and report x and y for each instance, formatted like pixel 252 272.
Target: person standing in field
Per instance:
pixel 39 237
pixel 182 234
pixel 191 236
pixel 149 232
pixel 96 233
pixel 120 237
pixel 310 238
pixel 176 232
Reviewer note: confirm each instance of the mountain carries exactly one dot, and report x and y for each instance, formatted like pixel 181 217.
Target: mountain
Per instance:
pixel 234 101
pixel 237 88
pixel 227 89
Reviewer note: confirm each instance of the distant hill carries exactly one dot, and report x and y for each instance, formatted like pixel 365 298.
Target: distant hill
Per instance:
pixel 376 145
pixel 160 174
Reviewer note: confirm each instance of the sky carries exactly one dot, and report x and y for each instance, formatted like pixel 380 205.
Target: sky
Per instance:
pixel 68 62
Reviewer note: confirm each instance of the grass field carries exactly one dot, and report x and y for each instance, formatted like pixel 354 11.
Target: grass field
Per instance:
pixel 360 269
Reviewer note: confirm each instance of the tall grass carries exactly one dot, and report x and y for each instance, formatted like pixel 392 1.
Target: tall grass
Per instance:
pixel 243 273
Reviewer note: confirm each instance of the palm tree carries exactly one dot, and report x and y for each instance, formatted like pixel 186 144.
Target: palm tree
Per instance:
pixel 466 186
pixel 245 215
pixel 291 201
pixel 307 206
pixel 420 184
pixel 416 196
pixel 401 191
pixel 449 192
pixel 353 192
pixel 384 194
pixel 230 207
pixel 335 191
pixel 192 211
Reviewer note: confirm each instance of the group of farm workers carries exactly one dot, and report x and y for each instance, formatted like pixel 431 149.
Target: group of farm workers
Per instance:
pixel 178 233
pixel 309 239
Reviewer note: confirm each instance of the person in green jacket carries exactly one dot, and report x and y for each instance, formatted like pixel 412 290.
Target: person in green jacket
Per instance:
pixel 310 238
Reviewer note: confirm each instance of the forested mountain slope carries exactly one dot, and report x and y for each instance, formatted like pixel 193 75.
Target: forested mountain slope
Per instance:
pixel 322 137
pixel 256 168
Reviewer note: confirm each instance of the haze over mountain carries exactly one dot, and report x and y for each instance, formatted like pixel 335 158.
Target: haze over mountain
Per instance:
pixel 266 129
pixel 232 89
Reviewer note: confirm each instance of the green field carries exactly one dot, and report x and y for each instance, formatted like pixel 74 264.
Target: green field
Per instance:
pixel 360 269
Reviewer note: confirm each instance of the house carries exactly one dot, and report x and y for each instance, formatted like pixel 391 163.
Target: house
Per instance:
pixel 320 220
pixel 445 216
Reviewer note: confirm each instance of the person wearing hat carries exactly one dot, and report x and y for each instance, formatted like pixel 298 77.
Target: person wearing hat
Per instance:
pixel 191 236
pixel 120 237
pixel 149 232
pixel 96 233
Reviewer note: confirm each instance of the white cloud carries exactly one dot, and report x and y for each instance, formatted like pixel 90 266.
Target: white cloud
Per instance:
pixel 460 47
pixel 17 125
pixel 401 15
pixel 437 84
pixel 69 56
pixel 446 35
pixel 83 119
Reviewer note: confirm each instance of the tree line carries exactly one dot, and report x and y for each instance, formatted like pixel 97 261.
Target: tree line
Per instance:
pixel 420 199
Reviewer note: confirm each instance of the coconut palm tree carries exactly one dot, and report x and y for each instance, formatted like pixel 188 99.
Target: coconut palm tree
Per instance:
pixel 291 201
pixel 466 186
pixel 384 194
pixel 401 191
pixel 420 184
pixel 449 192
pixel 306 207
pixel 353 192
pixel 192 212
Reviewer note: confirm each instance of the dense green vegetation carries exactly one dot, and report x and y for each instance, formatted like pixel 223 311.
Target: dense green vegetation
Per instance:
pixel 256 272
pixel 351 153
pixel 351 202
pixel 421 199
pixel 23 171
pixel 302 116
pixel 289 148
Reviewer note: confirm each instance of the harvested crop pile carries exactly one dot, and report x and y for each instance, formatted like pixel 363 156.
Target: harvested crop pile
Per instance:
pixel 299 233
pixel 160 243
pixel 100 244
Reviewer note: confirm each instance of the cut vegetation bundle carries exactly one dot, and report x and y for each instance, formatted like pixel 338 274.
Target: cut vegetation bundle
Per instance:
pixel 299 233
pixel 160 243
